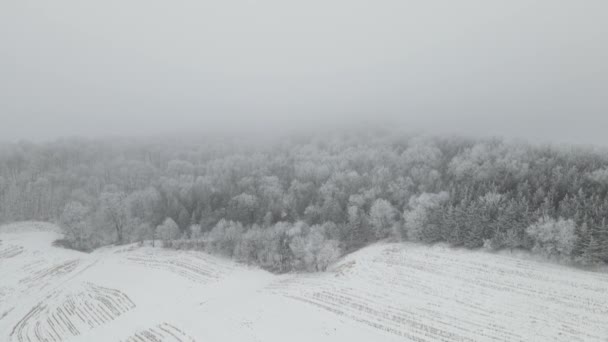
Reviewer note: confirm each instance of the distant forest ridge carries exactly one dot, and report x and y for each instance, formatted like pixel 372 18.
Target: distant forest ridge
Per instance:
pixel 299 203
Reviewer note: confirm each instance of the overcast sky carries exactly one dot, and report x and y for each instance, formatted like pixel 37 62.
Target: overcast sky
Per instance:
pixel 521 68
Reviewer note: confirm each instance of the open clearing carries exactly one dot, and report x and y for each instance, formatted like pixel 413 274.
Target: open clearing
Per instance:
pixel 388 292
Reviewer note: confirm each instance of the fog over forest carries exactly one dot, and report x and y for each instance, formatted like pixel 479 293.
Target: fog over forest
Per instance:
pixel 317 170
pixel 300 202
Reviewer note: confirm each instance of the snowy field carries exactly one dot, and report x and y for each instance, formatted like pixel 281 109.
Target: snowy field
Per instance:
pixel 385 292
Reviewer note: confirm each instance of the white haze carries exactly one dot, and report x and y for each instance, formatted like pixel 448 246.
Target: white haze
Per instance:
pixel 531 69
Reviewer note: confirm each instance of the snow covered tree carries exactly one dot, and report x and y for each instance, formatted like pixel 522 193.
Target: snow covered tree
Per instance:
pixel 145 205
pixel 553 237
pixel 356 233
pixel 382 218
pixel 417 219
pixel 140 232
pixel 196 232
pixel 224 237
pixel 312 251
pixel 74 224
pixel 592 253
pixel 243 208
pixel 345 185
pixel 168 230
pixel 114 211
pixel 511 240
pixel 328 254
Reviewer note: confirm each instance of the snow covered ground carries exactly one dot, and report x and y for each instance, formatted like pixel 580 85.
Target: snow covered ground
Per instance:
pixel 387 292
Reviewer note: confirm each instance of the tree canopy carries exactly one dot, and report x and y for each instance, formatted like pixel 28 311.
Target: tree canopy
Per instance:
pixel 299 202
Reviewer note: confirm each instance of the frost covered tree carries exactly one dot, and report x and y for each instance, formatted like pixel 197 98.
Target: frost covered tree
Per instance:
pixel 418 221
pixel 421 160
pixel 345 183
pixel 114 210
pixel 592 252
pixel 243 208
pixel 356 233
pixel 251 245
pixel 74 224
pixel 382 219
pixel 196 232
pixel 225 236
pixel 145 205
pixel 275 253
pixel 140 232
pixel 168 230
pixel 313 251
pixel 328 254
pixel 553 237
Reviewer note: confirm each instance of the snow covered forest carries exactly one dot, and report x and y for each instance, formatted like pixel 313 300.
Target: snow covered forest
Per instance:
pixel 301 202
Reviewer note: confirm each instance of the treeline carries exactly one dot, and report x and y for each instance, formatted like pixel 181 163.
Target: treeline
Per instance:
pixel 298 203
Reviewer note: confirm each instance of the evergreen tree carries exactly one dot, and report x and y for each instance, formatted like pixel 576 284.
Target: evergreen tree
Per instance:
pixel 583 239
pixel 592 253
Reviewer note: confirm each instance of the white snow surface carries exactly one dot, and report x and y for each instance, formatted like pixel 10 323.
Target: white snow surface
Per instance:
pixel 386 292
